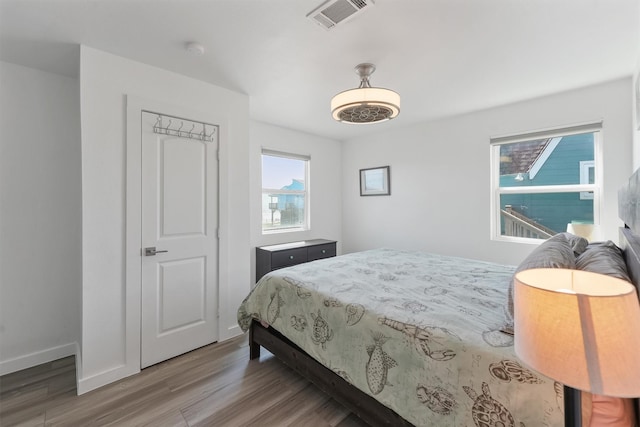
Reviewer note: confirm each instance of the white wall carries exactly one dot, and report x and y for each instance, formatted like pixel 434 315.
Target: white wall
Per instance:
pixel 40 217
pixel 636 119
pixel 440 174
pixel 325 184
pixel 636 109
pixel 109 346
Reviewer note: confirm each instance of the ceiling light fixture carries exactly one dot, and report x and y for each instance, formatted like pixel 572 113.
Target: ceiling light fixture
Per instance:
pixel 365 104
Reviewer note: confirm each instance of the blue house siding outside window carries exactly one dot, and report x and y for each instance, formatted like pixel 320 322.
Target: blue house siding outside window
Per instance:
pixel 285 196
pixel 291 206
pixel 544 181
pixel 555 210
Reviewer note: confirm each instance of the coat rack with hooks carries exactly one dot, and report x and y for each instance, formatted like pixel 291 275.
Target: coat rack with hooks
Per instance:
pixel 200 131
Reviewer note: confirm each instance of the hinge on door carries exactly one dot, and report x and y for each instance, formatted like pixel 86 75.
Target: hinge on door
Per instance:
pixel 218 154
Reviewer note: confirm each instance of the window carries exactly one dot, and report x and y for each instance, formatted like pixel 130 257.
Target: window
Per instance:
pixel 587 168
pixel 285 191
pixel 544 181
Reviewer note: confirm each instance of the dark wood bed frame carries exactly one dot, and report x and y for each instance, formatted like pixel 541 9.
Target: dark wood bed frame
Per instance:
pixel 365 406
pixel 358 402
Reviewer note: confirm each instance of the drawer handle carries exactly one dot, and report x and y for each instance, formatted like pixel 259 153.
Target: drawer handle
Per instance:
pixel 290 256
pixel 324 251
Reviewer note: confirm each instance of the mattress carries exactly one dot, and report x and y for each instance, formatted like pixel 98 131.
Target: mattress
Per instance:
pixel 419 332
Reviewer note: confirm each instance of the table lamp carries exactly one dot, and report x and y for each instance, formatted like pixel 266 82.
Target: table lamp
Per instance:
pixel 581 329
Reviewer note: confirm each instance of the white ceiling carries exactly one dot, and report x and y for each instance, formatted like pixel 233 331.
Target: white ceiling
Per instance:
pixel 444 57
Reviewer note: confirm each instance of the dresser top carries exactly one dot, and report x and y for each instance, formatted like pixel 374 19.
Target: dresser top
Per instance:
pixel 299 244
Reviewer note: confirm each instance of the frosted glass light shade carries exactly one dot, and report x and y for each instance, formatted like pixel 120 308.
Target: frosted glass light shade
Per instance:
pixel 579 328
pixel 365 105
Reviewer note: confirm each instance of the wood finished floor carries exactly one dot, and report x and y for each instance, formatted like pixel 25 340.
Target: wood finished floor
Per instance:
pixel 215 385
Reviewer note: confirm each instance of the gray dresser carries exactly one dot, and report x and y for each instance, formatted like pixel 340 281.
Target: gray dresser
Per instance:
pixel 273 257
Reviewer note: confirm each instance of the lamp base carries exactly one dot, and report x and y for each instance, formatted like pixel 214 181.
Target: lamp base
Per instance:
pixel 572 407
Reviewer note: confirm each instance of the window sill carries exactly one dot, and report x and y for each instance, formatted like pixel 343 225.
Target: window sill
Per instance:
pixel 284 230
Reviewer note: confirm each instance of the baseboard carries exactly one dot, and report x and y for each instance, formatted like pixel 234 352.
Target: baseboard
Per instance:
pixel 231 332
pixel 78 365
pixel 93 382
pixel 37 358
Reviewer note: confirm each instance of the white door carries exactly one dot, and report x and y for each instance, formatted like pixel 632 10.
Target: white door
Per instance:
pixel 179 220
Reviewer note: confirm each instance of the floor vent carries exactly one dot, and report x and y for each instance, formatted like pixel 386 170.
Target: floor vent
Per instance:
pixel 334 12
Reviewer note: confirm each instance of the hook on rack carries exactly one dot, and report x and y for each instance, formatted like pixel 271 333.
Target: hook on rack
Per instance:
pixel 167 130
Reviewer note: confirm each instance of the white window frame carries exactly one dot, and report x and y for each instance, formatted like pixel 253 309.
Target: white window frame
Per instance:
pixel 592 189
pixel 585 167
pixel 306 193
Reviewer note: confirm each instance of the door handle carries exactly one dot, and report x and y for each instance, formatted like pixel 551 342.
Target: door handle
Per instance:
pixel 151 251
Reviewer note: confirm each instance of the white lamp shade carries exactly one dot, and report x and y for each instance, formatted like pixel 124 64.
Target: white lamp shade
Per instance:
pixel 591 232
pixel 366 97
pixel 579 328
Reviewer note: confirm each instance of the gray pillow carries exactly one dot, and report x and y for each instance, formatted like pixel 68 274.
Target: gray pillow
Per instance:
pixel 604 258
pixel 577 243
pixel 559 251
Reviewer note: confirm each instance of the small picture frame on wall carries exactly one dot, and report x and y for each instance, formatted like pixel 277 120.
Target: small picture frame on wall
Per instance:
pixel 375 181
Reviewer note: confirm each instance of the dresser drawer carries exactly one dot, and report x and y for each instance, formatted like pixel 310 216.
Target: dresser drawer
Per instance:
pixel 288 257
pixel 273 257
pixel 321 251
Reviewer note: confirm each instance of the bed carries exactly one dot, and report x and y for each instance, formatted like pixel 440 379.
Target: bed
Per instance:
pixel 413 338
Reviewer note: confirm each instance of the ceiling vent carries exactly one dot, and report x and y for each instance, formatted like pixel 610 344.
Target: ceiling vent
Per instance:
pixel 334 12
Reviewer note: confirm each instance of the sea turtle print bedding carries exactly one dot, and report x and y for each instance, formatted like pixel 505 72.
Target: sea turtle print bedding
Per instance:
pixel 417 331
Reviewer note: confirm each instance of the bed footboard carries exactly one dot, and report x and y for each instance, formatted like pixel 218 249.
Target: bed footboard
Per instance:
pixel 358 402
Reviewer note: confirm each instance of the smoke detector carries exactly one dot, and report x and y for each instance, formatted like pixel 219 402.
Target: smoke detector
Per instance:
pixel 333 12
pixel 195 49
